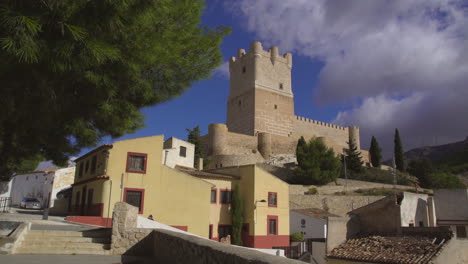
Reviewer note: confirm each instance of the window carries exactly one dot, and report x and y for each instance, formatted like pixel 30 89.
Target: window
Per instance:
pixel 461 232
pixel 87 166
pixel 136 162
pixel 135 197
pixel 80 170
pixel 225 196
pixel 243 69
pixel 272 199
pixel 276 107
pixel 272 225
pixel 183 151
pixel 239 103
pixel 421 223
pixel 224 231
pixel 210 231
pixel 213 196
pixel 90 197
pixel 93 164
pixel 281 86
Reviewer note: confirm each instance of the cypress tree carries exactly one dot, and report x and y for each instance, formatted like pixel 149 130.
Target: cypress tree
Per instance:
pixel 237 218
pixel 194 138
pixel 353 157
pixel 399 160
pixel 375 153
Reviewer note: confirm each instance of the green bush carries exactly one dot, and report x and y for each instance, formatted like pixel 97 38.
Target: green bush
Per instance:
pixel 311 191
pixel 380 176
pixel 375 192
pixel 297 237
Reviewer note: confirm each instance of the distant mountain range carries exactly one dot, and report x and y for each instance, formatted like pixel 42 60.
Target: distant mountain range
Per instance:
pixel 452 157
pixel 437 153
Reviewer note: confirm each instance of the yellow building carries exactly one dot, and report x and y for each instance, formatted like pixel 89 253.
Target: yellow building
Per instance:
pixel 266 204
pixel 196 201
pixel 132 171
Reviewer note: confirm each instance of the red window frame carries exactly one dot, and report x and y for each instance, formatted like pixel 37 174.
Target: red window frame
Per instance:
pixel 216 196
pixel 224 190
pixel 272 205
pixel 142 197
pixel 127 169
pixel 268 225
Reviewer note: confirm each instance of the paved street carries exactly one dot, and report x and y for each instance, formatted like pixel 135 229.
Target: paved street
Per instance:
pixel 56 259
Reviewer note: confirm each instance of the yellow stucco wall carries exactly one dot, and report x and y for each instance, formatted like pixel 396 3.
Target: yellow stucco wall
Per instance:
pixel 172 197
pixel 254 185
pixel 219 213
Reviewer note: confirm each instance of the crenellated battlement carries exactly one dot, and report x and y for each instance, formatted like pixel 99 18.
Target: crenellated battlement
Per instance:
pixel 256 50
pixel 315 122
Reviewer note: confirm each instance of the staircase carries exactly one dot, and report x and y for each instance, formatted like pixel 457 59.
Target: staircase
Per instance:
pixel 90 242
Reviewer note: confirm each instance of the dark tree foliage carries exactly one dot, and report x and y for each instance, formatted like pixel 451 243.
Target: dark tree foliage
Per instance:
pixel 194 138
pixel 317 164
pixel 353 158
pixel 422 169
pixel 237 210
pixel 375 153
pixel 72 72
pixel 431 176
pixel 399 159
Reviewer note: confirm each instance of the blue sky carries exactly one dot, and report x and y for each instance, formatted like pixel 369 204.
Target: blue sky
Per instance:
pixel 377 64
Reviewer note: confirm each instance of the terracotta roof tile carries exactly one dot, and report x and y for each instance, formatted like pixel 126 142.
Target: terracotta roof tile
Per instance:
pixel 378 249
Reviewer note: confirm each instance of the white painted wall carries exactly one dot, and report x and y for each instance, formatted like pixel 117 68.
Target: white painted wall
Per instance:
pixel 414 209
pixel 313 227
pixel 63 179
pixel 34 185
pixel 5 188
pixel 40 184
pixel 171 153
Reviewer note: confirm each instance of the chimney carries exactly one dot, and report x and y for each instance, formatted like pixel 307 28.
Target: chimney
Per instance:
pixel 200 164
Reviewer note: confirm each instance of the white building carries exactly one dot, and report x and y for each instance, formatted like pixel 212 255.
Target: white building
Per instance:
pixel 452 210
pixel 43 185
pixel 312 222
pixel 178 152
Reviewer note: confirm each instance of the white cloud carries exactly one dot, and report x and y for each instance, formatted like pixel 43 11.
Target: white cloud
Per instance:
pixel 222 70
pixel 399 63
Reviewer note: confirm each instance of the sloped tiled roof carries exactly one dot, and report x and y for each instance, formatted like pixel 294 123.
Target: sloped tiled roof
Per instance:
pixel 205 174
pixel 314 212
pixel 378 249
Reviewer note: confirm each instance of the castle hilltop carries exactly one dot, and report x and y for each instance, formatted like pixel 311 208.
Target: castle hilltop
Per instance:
pixel 261 125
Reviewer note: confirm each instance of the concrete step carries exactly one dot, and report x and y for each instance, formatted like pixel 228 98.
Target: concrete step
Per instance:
pixel 59 244
pixel 66 239
pixel 62 251
pixel 50 233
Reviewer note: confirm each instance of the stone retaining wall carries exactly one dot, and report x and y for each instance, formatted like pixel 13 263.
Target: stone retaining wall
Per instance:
pixel 338 205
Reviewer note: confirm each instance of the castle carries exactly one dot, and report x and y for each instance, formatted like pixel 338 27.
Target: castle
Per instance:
pixel 261 125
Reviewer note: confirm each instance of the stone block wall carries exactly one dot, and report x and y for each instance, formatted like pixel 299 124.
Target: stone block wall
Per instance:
pixel 165 246
pixel 126 237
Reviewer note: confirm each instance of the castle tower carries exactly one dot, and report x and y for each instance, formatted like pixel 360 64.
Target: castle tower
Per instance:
pixel 260 96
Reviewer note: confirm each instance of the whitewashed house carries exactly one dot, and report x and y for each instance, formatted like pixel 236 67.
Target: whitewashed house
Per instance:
pixel 42 185
pixel 178 152
pixel 311 222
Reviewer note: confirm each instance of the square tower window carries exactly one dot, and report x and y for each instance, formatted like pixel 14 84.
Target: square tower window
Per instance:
pixel 243 69
pixel 281 86
pixel 276 107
